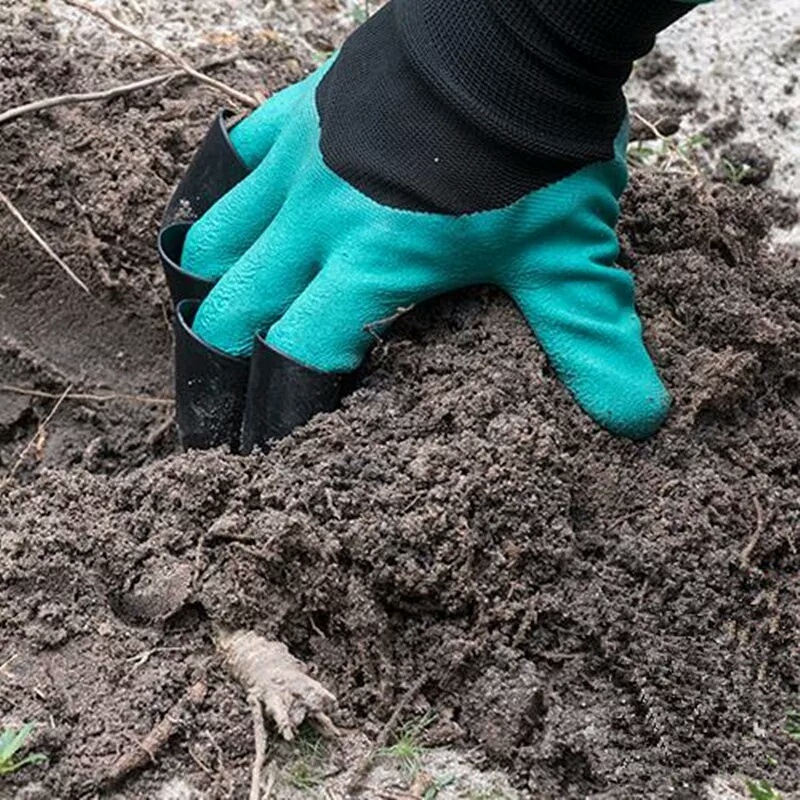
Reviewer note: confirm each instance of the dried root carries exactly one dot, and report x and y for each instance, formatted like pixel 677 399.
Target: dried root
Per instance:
pixel 269 673
pixel 272 676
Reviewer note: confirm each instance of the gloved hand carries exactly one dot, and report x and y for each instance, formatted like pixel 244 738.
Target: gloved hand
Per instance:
pixel 449 143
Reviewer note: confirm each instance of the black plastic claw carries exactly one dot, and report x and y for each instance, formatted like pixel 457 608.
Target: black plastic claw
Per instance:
pixel 210 387
pixel 216 403
pixel 182 285
pixel 215 169
pixel 282 395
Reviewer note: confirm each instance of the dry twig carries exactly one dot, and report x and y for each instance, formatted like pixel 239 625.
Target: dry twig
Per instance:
pixel 270 785
pixel 179 61
pixel 94 398
pixel 158 736
pixel 69 99
pixel 140 659
pixel 41 242
pixel 747 551
pixel 200 763
pixel 105 94
pixel 382 324
pixel 160 430
pixel 362 770
pixel 36 437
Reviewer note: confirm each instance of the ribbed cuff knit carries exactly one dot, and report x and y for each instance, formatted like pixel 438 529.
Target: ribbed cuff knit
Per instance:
pixel 528 72
pixel 458 106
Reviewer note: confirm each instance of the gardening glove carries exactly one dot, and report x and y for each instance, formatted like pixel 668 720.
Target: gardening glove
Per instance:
pixel 449 143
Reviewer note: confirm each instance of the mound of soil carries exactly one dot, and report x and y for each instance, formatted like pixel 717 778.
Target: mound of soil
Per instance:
pixel 603 618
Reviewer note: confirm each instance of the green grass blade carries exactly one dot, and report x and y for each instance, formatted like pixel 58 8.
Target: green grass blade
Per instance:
pixel 6 736
pixel 15 741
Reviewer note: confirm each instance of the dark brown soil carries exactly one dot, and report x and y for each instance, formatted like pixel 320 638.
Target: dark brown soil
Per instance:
pixel 606 619
pixel 94 179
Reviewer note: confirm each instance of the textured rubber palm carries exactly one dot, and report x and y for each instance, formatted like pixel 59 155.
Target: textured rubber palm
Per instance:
pixel 317 265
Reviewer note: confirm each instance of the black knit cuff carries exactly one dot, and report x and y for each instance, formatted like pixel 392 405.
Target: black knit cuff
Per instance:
pixel 457 106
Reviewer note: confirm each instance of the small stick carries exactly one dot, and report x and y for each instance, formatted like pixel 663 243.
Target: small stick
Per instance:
pixel 260 736
pixel 141 658
pixel 386 321
pixel 105 94
pixel 67 99
pixel 8 662
pixel 94 398
pixel 747 551
pixel 363 768
pixel 160 430
pixel 179 61
pixel 158 736
pixel 136 7
pixel 197 760
pixel 42 243
pixel 35 438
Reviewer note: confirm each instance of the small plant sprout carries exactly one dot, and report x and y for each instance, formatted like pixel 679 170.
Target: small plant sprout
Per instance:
pixel 668 153
pixel 692 143
pixel 432 792
pixel 304 776
pixel 735 173
pixel 641 154
pixel 792 727
pixel 306 771
pixel 12 740
pixel 762 790
pixel 407 750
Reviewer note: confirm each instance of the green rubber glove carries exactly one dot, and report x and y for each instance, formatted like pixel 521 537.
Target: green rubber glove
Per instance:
pixel 304 256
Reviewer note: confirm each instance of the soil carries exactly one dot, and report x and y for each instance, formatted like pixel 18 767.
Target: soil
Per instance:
pixel 737 63
pixel 595 617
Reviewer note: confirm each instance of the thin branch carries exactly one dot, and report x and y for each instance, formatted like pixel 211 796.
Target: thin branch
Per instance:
pixel 96 398
pixel 35 438
pixel 747 551
pixel 270 784
pixel 118 25
pixel 653 128
pixel 69 99
pixel 384 323
pixel 41 242
pixel 197 760
pixel 106 94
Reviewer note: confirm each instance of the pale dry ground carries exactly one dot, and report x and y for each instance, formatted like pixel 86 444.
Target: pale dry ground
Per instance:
pixel 738 51
pixel 745 54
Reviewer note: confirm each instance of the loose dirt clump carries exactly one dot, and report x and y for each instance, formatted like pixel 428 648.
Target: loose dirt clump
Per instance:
pixel 601 618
